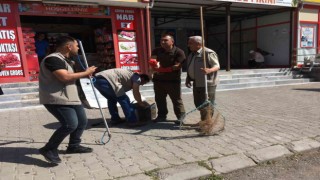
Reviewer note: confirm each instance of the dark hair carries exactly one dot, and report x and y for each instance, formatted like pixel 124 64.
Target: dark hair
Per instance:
pixel 63 40
pixel 145 77
pixel 164 35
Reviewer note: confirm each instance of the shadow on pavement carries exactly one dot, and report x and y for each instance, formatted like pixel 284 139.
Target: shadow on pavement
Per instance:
pixel 22 155
pixel 54 125
pixel 304 89
pixel 92 123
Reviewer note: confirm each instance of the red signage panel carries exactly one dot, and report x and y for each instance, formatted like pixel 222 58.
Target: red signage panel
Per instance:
pixel 9 47
pixel 125 21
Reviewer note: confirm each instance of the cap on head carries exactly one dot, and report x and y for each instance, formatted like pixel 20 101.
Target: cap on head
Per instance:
pixel 251 51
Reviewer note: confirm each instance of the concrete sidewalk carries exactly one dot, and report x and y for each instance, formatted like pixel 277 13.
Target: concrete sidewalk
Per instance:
pixel 261 124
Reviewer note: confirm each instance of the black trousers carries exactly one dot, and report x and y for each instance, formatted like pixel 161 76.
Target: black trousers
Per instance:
pixel 1 92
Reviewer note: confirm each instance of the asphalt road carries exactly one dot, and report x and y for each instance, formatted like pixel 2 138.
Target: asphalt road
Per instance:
pixel 303 166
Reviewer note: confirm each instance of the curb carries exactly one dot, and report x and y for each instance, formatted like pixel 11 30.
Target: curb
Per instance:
pixel 227 164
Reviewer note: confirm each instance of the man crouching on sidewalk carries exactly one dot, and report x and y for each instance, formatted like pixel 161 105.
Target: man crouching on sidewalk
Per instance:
pixel 113 85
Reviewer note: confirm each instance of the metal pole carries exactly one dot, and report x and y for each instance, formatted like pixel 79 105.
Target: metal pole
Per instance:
pixel 94 90
pixel 203 52
pixel 228 37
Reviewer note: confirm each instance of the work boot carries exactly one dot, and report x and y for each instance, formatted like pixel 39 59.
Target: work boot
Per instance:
pixel 160 119
pixel 51 156
pixel 78 149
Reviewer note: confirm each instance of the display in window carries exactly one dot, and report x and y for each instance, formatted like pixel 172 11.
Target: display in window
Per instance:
pixel 127 47
pixel 128 59
pixel 103 35
pixel 105 49
pixel 126 35
pixel 10 59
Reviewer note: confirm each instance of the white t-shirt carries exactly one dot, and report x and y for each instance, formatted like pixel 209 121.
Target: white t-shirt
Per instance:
pixel 258 57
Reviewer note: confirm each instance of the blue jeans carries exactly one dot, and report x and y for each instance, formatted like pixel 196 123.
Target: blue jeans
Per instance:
pixel 73 121
pixel 107 91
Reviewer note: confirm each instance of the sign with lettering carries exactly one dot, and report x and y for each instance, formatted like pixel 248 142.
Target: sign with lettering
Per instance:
pixel 9 47
pixel 125 20
pixel 287 3
pixel 63 9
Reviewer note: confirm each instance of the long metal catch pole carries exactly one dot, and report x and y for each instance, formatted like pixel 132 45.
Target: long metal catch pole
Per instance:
pixel 95 93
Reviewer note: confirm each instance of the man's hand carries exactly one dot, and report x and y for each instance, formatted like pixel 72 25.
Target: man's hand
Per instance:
pixel 175 67
pixel 141 104
pixel 206 70
pixel 188 84
pixel 91 70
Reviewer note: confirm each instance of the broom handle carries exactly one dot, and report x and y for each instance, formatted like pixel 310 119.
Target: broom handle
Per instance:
pixel 203 53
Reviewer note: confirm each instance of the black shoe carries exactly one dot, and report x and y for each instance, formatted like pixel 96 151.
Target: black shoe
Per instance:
pixel 160 119
pixel 78 149
pixel 51 156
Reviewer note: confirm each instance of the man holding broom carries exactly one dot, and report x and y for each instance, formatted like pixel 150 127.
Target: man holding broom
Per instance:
pixel 197 69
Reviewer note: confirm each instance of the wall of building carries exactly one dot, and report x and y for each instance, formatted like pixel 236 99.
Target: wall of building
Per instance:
pixel 182 29
pixel 307 35
pixel 270 33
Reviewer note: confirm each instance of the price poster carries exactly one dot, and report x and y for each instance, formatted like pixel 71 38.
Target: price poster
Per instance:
pixel 307 37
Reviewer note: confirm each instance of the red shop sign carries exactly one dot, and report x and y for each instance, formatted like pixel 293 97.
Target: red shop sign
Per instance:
pixel 125 19
pixel 9 48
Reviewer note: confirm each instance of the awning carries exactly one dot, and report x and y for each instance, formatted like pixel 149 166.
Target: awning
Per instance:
pixel 122 3
pixel 215 10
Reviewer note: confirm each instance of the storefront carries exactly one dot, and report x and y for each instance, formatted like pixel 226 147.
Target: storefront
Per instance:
pixel 307 35
pixel 232 28
pixel 112 36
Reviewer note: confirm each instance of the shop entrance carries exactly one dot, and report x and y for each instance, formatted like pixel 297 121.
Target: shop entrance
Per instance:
pixel 232 28
pixel 95 34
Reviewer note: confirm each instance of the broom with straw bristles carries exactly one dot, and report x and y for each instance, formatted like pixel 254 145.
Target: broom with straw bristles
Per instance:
pixel 213 123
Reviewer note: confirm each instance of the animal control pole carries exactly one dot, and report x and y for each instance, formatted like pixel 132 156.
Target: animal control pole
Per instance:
pixel 95 94
pixel 203 53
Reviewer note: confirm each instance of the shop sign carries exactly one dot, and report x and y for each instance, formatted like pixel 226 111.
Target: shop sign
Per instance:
pixel 37 8
pixel 125 20
pixel 288 3
pixel 9 48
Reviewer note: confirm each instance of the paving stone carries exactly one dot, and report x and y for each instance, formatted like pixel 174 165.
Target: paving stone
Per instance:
pixel 101 174
pixel 7 176
pixel 44 176
pixel 250 127
pixel 317 138
pixel 268 153
pixel 231 163
pixel 303 145
pixel 182 172
pixel 137 177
